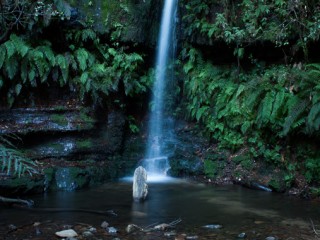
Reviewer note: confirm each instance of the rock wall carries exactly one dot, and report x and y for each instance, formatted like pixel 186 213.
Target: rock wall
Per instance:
pixel 72 147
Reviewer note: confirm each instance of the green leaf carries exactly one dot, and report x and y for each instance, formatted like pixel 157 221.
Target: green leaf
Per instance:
pixel 19 44
pixel 2 55
pixel 18 89
pixel 201 111
pixel 11 67
pixel 10 48
pixel 82 56
pixel 84 77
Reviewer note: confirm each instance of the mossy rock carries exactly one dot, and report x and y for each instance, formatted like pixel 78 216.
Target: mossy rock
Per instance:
pixel 21 186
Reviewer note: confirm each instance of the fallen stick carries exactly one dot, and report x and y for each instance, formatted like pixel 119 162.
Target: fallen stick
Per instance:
pixel 29 203
pixel 53 210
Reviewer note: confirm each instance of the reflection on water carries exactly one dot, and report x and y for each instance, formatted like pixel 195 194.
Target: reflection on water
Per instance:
pixel 196 204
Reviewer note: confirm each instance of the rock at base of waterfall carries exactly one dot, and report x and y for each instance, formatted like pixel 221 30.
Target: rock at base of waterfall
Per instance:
pixel 140 187
pixel 67 233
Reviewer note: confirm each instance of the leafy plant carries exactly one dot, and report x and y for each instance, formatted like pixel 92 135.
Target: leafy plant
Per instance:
pixel 12 160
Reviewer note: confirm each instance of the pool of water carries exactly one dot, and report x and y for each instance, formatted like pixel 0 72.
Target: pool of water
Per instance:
pixel 259 214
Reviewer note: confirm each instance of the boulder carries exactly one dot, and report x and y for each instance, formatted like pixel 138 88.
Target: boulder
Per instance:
pixel 140 187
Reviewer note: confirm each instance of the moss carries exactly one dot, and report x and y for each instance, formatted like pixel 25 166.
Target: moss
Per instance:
pixel 315 192
pixel 84 144
pixel 59 119
pixel 245 160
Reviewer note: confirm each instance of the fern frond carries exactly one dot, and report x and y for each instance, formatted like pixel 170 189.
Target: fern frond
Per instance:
pixel 313 115
pixel 278 103
pixel 294 112
pixel 3 54
pixel 11 67
pixel 24 70
pixel 10 48
pixel 48 53
pixel 13 162
pixel 82 56
pixel 21 47
pixel 62 63
pixel 88 34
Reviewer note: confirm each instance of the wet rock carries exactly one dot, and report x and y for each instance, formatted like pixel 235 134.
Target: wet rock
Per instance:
pixel 140 187
pixel 21 185
pixel 170 234
pixel 87 234
pixel 104 224
pixel 70 233
pixel 212 226
pixel 192 237
pixel 37 120
pixel 112 230
pixel 271 238
pixel 242 235
pixel 131 228
pixel 92 229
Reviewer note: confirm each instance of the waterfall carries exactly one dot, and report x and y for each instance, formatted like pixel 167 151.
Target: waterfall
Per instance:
pixel 155 162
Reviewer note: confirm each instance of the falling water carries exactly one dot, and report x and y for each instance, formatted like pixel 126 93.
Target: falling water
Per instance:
pixel 156 163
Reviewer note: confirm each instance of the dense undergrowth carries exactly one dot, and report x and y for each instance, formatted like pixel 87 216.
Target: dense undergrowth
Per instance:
pixel 264 111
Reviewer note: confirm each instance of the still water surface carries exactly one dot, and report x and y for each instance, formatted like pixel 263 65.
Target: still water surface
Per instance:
pixel 237 209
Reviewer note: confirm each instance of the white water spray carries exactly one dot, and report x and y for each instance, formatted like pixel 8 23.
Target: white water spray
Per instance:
pixel 155 162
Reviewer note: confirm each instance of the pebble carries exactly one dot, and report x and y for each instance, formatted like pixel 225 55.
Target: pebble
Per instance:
pixel 92 229
pixel 104 224
pixel 87 234
pixel 212 226
pixel 192 237
pixel 242 235
pixel 70 233
pixel 170 234
pixel 271 238
pixel 112 230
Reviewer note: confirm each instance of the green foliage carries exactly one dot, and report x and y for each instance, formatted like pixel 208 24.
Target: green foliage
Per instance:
pixel 12 161
pixel 94 70
pixel 210 168
pixel 257 109
pixel 240 23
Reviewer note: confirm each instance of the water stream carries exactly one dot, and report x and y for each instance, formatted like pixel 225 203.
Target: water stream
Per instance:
pixel 259 214
pixel 156 163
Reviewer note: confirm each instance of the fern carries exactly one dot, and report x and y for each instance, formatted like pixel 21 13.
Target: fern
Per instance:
pixel 24 70
pixel 11 67
pixel 20 45
pixel 88 34
pixel 3 53
pixel 48 53
pixel 294 112
pixel 265 109
pixel 314 116
pixel 10 48
pixel 62 63
pixel 82 57
pixel 279 101
pixel 12 161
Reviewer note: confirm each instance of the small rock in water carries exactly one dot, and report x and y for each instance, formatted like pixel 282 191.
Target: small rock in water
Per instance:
pixel 192 237
pixel 70 233
pixel 181 237
pixel 104 224
pixel 12 227
pixel 112 230
pixel 92 229
pixel 87 234
pixel 271 238
pixel 170 234
pixel 38 232
pixel 242 235
pixel 212 226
